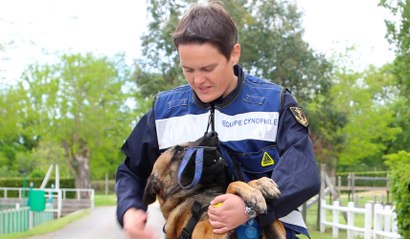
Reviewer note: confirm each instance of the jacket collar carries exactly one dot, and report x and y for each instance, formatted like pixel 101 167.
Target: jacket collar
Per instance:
pixel 222 102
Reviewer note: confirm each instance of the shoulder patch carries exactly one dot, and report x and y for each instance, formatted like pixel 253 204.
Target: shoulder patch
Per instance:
pixel 299 115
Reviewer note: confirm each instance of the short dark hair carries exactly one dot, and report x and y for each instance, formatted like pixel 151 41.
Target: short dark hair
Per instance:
pixel 207 24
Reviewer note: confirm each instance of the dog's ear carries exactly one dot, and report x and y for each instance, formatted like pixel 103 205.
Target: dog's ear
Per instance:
pixel 150 192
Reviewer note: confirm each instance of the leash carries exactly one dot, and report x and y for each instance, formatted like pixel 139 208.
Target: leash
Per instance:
pixel 199 161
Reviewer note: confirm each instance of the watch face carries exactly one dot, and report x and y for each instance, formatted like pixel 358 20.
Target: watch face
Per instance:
pixel 250 212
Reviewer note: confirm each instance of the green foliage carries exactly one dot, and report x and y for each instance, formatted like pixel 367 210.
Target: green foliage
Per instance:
pixel 77 106
pixel 399 164
pixel 16 138
pixel 325 120
pixel 99 186
pixel 398 26
pixel 366 99
pixel 75 113
pixel 19 182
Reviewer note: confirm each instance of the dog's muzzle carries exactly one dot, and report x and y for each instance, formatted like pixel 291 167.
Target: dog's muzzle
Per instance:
pixel 199 161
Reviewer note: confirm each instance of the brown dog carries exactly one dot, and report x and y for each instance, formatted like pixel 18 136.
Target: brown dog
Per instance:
pixel 176 202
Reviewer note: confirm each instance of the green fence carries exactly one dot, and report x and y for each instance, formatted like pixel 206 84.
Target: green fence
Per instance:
pixel 22 219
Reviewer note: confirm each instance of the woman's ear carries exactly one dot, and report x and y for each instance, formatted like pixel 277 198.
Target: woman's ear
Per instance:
pixel 236 54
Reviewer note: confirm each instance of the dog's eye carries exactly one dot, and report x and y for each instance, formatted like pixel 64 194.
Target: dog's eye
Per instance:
pixel 179 149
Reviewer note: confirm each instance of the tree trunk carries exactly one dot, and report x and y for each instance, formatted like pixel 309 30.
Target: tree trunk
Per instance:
pixel 82 177
pixel 80 166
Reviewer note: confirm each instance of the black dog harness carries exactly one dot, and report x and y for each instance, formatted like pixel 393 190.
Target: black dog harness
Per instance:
pixel 197 211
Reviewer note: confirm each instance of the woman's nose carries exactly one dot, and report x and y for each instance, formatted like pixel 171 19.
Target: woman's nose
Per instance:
pixel 198 79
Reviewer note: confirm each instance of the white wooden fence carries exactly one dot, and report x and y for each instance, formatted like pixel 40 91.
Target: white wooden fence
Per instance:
pixel 379 222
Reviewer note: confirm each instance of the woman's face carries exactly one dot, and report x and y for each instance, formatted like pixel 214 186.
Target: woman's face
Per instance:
pixel 207 70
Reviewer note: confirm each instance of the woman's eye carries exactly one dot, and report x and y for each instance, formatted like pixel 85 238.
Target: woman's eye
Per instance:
pixel 188 70
pixel 208 69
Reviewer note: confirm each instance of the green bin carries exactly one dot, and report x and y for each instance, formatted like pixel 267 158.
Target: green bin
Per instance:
pixel 37 200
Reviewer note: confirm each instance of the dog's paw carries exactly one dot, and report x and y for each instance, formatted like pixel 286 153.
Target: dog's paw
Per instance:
pixel 253 197
pixel 266 186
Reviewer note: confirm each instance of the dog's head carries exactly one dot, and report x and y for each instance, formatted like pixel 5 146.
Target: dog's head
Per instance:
pixel 163 181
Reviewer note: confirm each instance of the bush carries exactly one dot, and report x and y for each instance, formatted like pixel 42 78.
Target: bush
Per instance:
pixel 99 186
pixel 399 164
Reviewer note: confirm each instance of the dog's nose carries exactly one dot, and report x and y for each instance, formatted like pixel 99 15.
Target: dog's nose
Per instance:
pixel 211 139
pixel 212 135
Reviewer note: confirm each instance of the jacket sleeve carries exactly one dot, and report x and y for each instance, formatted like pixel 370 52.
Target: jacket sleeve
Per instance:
pixel 141 150
pixel 296 174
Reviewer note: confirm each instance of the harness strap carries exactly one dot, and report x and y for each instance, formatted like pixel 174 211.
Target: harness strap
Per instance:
pixel 199 161
pixel 197 211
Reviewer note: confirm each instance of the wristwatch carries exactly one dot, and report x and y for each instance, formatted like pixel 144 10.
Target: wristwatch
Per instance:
pixel 250 213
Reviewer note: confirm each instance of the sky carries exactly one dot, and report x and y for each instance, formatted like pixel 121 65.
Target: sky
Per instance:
pixel 33 31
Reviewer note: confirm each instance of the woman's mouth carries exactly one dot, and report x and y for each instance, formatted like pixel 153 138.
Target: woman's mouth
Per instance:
pixel 204 89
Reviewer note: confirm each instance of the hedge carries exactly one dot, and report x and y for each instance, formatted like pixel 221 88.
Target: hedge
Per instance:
pixel 399 164
pixel 18 183
pixel 98 185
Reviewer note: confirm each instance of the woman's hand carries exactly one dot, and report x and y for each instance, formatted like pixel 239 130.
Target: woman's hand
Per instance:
pixel 134 224
pixel 226 212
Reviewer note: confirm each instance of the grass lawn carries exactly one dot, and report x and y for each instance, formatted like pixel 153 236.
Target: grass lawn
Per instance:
pixel 105 200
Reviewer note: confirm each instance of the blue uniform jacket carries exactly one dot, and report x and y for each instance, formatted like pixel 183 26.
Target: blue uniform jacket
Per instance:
pixel 290 159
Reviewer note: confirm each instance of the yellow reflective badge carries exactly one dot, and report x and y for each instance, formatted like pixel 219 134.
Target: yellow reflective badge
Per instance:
pixel 299 115
pixel 267 160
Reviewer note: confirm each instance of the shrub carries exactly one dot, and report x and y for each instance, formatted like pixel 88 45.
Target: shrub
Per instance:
pixel 18 183
pixel 399 164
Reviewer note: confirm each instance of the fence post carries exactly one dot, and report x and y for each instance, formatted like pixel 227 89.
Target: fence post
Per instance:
pixel 368 221
pixel 350 220
pixel 377 220
pixel 59 202
pixel 387 219
pixel 106 183
pixel 394 226
pixel 30 219
pixel 335 228
pixel 321 196
pixel 322 215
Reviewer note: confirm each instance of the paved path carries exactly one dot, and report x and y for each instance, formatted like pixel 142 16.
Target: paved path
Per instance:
pixel 101 223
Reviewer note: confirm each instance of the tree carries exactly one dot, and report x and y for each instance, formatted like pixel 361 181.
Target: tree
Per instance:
pixel 16 137
pixel 271 36
pixel 398 35
pixel 78 104
pixel 399 164
pixel 367 99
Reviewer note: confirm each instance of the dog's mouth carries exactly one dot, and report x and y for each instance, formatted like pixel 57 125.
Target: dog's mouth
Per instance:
pixel 209 140
pixel 201 163
pixel 190 177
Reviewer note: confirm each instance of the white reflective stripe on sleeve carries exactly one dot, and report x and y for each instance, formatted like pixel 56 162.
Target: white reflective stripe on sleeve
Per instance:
pixel 294 218
pixel 182 129
pixel 188 128
pixel 251 125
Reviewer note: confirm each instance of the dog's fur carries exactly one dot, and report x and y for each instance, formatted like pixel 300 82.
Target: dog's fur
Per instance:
pixel 176 203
